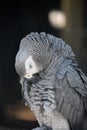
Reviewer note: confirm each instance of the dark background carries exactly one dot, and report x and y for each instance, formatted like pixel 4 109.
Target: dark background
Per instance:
pixel 18 18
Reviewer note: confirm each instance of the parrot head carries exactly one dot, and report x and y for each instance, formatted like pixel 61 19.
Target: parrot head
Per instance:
pixel 26 66
pixel 31 56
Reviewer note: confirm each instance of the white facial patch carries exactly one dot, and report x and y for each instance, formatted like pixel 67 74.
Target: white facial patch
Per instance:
pixel 31 67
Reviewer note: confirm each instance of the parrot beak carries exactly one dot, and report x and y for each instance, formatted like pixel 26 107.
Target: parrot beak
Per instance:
pixel 28 76
pixel 32 78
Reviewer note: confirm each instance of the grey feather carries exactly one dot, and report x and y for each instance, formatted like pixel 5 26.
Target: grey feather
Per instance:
pixel 61 86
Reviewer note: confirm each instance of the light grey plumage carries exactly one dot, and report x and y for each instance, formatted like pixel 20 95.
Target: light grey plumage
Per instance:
pixel 56 90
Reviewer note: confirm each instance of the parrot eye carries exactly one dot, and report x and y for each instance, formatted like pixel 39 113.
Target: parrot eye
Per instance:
pixel 30 66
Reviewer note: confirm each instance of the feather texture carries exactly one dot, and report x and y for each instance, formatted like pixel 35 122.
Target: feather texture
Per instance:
pixel 61 87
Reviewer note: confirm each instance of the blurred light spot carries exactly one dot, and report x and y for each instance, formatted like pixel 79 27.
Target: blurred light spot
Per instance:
pixel 57 19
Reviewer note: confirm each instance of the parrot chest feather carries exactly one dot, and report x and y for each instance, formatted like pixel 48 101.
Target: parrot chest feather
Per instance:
pixel 41 99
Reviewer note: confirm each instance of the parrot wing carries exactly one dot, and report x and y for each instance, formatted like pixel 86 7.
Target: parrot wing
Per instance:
pixel 71 88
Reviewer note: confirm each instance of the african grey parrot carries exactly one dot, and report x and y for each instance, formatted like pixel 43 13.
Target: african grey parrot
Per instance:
pixel 53 85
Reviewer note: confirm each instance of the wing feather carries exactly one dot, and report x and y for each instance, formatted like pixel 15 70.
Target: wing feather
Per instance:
pixel 70 90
